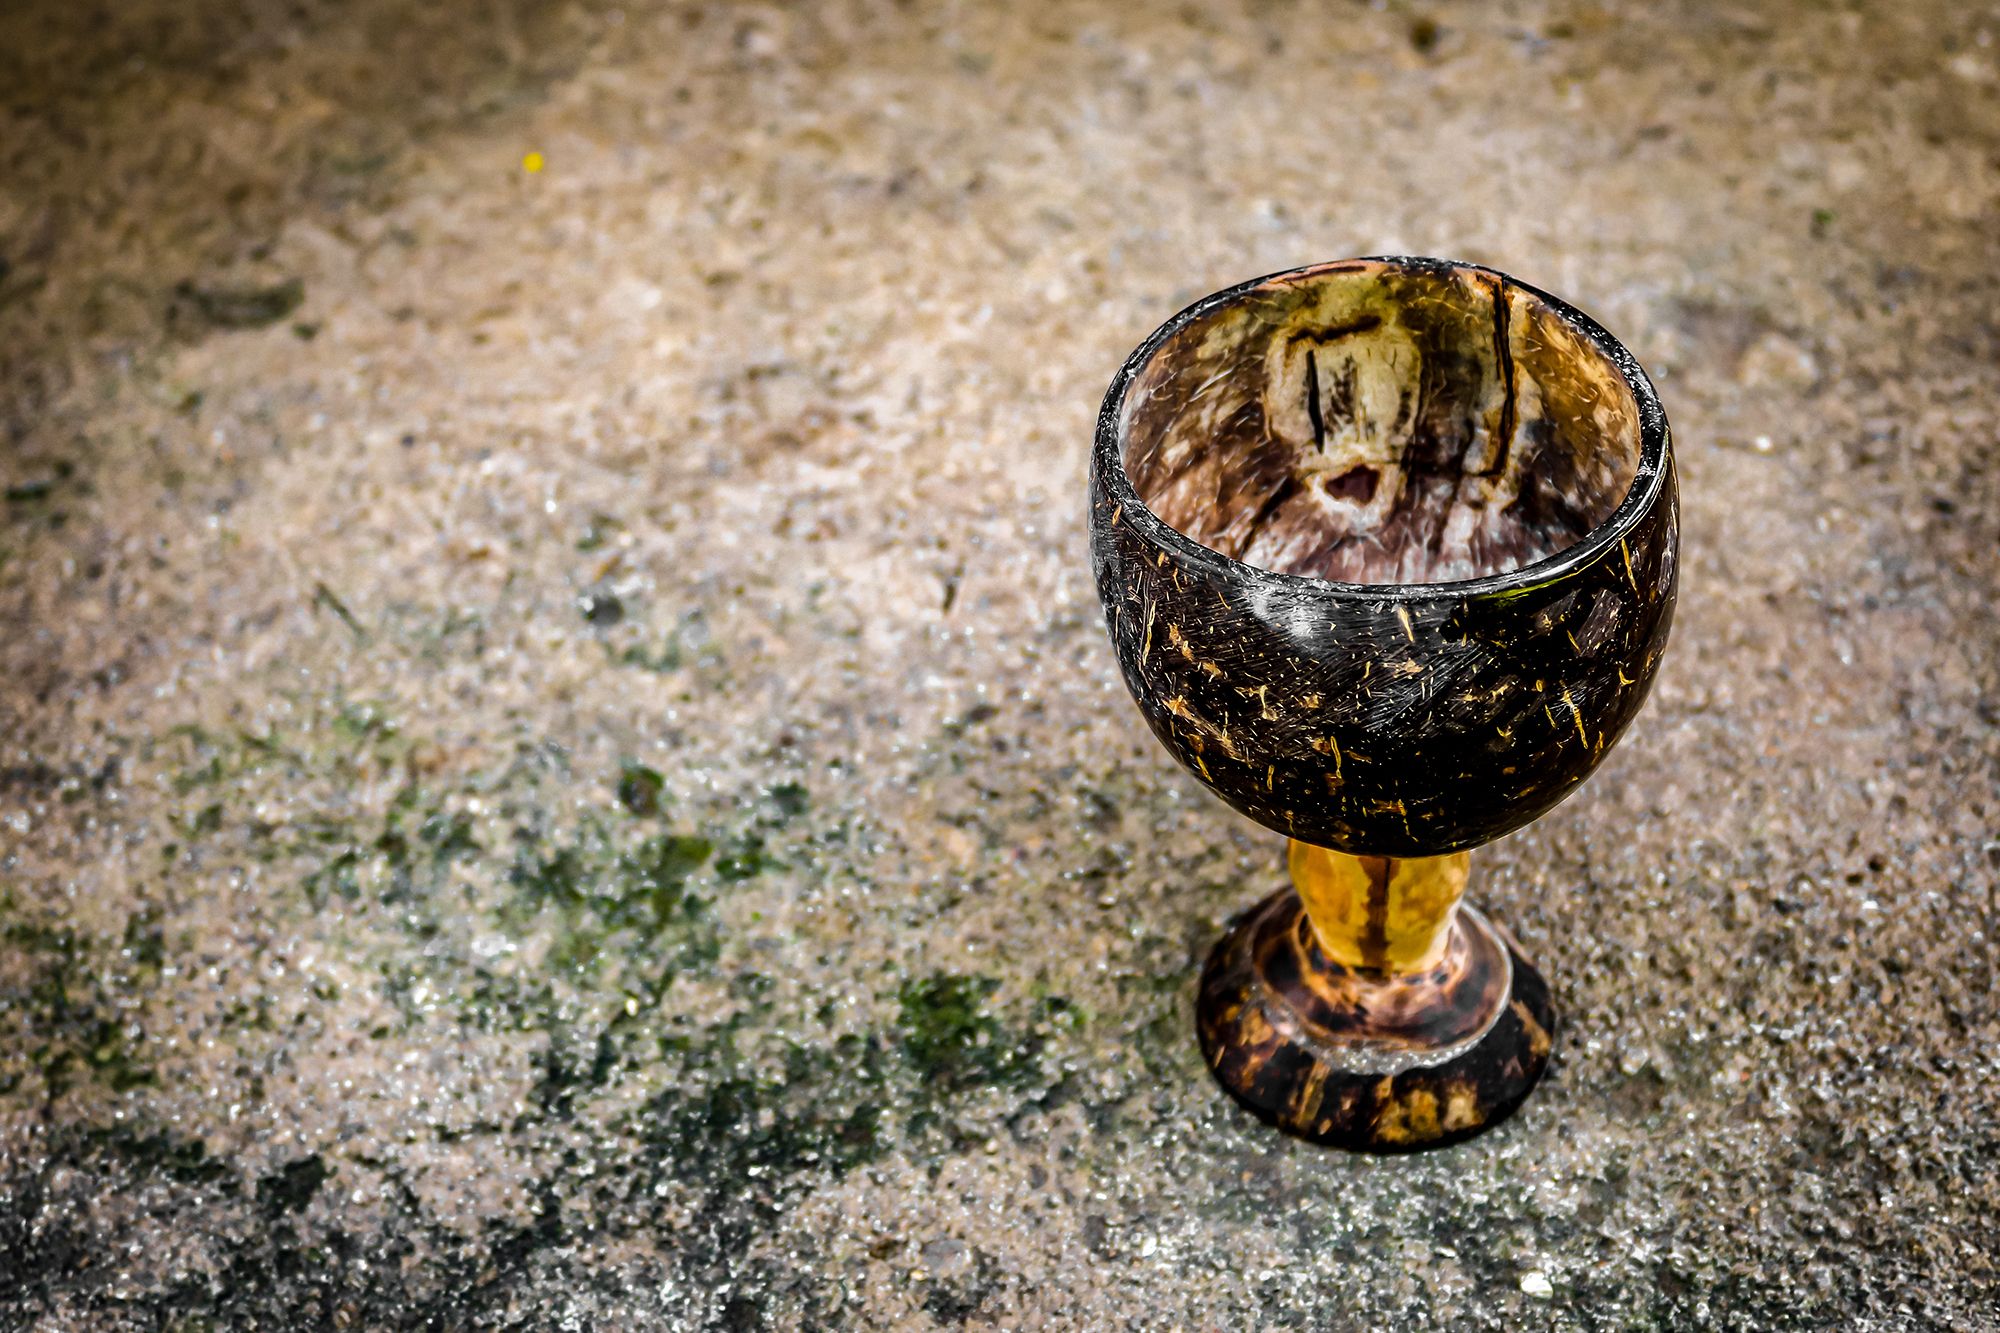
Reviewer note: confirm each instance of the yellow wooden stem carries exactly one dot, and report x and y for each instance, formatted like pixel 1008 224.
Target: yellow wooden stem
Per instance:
pixel 1381 912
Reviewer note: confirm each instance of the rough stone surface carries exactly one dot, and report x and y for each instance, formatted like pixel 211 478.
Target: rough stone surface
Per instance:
pixel 559 766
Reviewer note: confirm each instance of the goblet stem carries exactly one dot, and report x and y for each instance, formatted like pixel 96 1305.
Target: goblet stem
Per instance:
pixel 1380 913
pixel 1362 1008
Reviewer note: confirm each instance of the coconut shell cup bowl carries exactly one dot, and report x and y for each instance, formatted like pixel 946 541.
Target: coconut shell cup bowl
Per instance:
pixel 1387 549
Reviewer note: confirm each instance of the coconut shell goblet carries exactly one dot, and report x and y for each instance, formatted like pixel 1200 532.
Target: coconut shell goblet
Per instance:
pixel 1388 552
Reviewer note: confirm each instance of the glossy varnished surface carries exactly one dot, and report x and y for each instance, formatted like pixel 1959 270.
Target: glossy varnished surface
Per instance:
pixel 1250 1038
pixel 1387 550
pixel 1365 1018
pixel 1398 720
pixel 1382 422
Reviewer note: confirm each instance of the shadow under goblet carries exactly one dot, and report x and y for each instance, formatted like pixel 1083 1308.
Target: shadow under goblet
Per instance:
pixel 1388 553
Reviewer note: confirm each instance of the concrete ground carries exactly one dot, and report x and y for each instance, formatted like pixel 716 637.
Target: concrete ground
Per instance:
pixel 559 766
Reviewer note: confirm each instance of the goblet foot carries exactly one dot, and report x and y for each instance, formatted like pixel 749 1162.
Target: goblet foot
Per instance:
pixel 1365 1060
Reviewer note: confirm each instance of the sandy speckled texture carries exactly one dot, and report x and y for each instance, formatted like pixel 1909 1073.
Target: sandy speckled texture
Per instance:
pixel 559 763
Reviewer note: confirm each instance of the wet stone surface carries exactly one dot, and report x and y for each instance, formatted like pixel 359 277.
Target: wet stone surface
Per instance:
pixel 559 764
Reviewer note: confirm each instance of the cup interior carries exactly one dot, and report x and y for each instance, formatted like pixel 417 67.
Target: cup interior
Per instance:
pixel 1382 422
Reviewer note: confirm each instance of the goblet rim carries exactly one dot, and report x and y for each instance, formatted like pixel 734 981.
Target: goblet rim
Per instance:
pixel 1648 482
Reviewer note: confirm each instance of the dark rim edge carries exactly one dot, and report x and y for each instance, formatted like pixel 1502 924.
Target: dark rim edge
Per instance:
pixel 1647 482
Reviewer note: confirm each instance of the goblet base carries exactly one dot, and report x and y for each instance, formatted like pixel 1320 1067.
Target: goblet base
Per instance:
pixel 1366 1061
